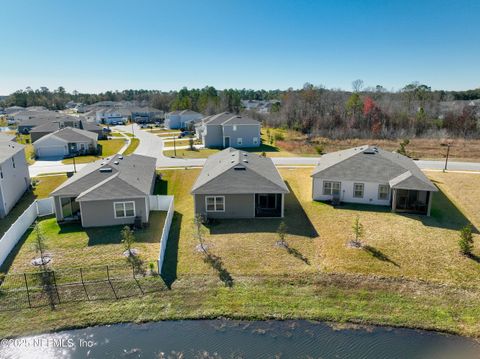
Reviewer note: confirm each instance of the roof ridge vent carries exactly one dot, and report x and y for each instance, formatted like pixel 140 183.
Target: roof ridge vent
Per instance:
pixel 106 169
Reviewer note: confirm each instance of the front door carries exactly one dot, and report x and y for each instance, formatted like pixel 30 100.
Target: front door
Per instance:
pixel 227 142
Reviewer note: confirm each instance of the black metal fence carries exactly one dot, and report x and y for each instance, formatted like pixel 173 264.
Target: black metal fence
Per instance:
pixel 53 287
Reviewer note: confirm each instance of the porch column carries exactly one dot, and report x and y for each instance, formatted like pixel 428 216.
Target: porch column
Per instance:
pixel 429 203
pixel 394 199
pixel 282 203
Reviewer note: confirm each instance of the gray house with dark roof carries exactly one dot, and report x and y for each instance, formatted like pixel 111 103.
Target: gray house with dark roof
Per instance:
pixel 370 175
pixel 238 184
pixel 108 192
pixel 181 119
pixel 229 130
pixel 67 141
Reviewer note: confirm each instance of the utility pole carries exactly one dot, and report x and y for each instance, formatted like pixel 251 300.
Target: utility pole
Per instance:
pixel 74 165
pixel 133 130
pixel 446 158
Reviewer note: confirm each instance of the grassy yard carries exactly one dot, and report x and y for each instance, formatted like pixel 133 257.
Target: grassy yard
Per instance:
pixel 411 273
pixel 108 148
pixel 29 150
pixel 72 246
pixel 134 142
pixel 44 185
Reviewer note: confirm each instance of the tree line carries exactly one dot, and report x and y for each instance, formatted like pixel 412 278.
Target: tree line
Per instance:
pixel 415 110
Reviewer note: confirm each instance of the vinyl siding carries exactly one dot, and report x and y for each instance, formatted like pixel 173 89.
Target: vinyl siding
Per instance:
pixel 101 213
pixel 236 206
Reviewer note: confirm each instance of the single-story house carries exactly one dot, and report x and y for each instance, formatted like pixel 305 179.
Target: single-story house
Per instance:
pixel 67 141
pixel 46 128
pixel 238 184
pixel 229 130
pixel 14 176
pixel 371 175
pixel 181 119
pixel 112 116
pixel 112 191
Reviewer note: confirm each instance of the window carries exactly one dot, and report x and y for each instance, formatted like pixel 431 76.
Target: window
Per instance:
pixel 331 188
pixel 383 191
pixel 255 140
pixel 234 127
pixel 13 162
pixel 1 172
pixel 358 190
pixel 239 141
pixel 215 203
pixel 124 209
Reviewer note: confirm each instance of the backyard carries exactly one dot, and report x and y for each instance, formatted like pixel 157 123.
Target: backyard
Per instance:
pixel 107 148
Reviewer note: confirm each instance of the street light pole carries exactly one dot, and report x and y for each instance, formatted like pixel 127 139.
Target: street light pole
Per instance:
pixel 133 130
pixel 174 147
pixel 446 158
pixel 74 165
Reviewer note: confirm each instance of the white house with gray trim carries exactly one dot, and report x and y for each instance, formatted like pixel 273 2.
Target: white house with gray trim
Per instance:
pixel 181 119
pixel 14 176
pixel 67 141
pixel 113 191
pixel 229 130
pixel 370 175
pixel 238 184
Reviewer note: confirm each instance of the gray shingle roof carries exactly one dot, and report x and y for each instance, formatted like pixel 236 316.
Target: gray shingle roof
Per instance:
pixel 372 164
pixel 4 137
pixel 9 149
pixel 130 177
pixel 227 118
pixel 233 171
pixel 70 134
pixel 184 112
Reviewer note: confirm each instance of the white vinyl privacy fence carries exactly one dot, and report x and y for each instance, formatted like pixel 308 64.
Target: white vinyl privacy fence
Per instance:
pixel 163 203
pixel 38 208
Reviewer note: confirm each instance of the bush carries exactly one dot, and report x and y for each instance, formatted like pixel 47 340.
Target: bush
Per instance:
pixel 319 149
pixel 466 240
pixel 279 136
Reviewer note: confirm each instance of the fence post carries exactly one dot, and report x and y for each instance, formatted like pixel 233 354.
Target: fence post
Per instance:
pixel 55 284
pixel 111 285
pixel 28 292
pixel 83 283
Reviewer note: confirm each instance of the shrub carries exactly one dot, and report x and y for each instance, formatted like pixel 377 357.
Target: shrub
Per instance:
pixel 319 149
pixel 466 240
pixel 279 136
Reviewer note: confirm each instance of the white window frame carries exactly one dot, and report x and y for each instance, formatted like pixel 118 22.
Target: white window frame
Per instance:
pixel 239 141
pixel 124 209
pixel 362 186
pixel 214 203
pixel 255 140
pixel 234 127
pixel 387 193
pixel 330 192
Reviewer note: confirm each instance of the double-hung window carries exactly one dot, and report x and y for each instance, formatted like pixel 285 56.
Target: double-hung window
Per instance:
pixel 124 209
pixel 358 190
pixel 239 141
pixel 255 140
pixel 215 203
pixel 383 191
pixel 331 188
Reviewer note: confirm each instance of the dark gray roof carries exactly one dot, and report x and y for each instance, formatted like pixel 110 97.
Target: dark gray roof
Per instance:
pixel 233 171
pixel 227 118
pixel 9 149
pixel 90 126
pixel 372 164
pixel 130 177
pixel 72 135
pixel 184 112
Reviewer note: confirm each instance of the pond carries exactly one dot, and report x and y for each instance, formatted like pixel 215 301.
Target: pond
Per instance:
pixel 240 339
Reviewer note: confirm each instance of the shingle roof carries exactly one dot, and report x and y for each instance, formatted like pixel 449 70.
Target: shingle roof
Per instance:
pixel 227 118
pixel 184 112
pixel 233 171
pixel 129 177
pixel 372 164
pixel 4 137
pixel 9 149
pixel 70 134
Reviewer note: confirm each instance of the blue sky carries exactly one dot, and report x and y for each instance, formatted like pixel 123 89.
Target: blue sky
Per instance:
pixel 100 45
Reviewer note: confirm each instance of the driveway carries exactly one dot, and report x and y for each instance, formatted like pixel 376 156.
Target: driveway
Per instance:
pixel 55 166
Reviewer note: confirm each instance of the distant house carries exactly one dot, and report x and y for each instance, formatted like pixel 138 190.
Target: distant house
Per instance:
pixel 108 192
pixel 67 141
pixel 181 119
pixel 46 128
pixel 145 114
pixel 14 176
pixel 229 130
pixel 370 175
pixel 112 116
pixel 237 184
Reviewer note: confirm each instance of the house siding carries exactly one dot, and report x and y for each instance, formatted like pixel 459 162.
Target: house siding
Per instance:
pixel 14 183
pixel 370 192
pixel 236 206
pixel 101 213
pixel 245 132
pixel 213 136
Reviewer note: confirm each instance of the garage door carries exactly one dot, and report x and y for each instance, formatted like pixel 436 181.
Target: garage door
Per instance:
pixel 50 151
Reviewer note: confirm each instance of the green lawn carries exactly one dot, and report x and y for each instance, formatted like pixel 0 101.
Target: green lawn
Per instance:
pixel 29 150
pixel 411 275
pixel 108 148
pixel 134 142
pixel 44 185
